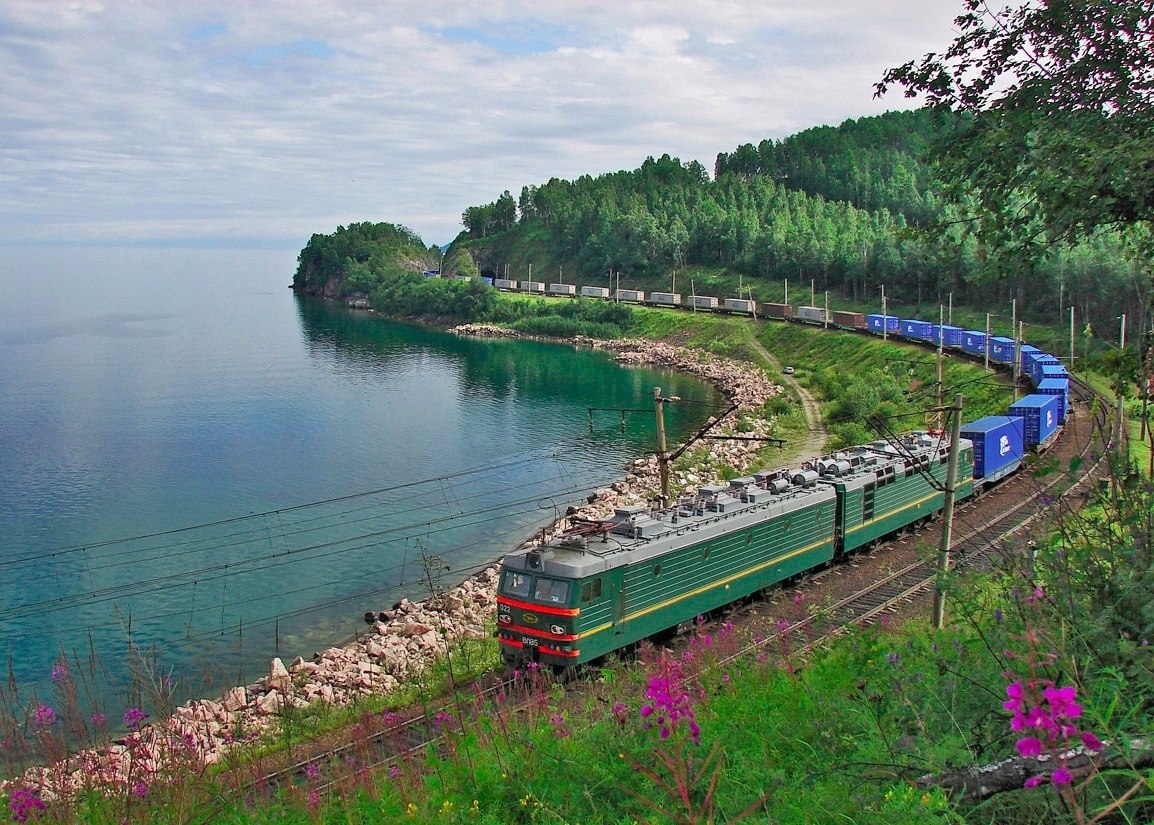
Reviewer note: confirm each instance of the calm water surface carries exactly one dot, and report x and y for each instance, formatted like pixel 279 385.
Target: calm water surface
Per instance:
pixel 195 462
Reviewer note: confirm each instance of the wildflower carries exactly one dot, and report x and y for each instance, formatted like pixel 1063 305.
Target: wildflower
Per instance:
pixel 314 799
pixel 998 615
pixel 782 625
pixel 311 770
pixel 394 772
pixel 442 718
pixel 60 673
pixel 669 702
pixel 44 716
pixel 24 802
pixel 894 658
pixel 1049 723
pixel 1090 741
pixel 140 789
pixel 1062 776
pixel 559 729
pixel 98 719
pixel 725 678
pixel 133 717
pixel 619 710
pixel 1030 746
pixel 799 598
pixel 392 718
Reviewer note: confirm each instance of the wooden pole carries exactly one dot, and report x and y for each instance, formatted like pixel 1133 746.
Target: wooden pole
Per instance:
pixel 662 455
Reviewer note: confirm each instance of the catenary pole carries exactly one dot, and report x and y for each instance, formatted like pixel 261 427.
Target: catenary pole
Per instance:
pixel 948 512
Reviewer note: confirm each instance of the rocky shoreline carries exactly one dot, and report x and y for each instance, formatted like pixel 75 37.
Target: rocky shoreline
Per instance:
pixel 401 642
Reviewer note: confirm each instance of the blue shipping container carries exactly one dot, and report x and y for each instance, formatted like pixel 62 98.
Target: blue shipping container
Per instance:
pixel 876 323
pixel 974 342
pixel 998 445
pixel 1002 349
pixel 1059 387
pixel 1040 413
pixel 919 330
pixel 1037 361
pixel 952 335
pixel 1027 352
pixel 1053 371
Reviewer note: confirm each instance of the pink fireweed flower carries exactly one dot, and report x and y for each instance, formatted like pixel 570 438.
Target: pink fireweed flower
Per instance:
pixel 311 770
pixel 24 802
pixel 99 719
pixel 669 703
pixel 140 789
pixel 1049 720
pixel 44 716
pixel 133 717
pixel 314 799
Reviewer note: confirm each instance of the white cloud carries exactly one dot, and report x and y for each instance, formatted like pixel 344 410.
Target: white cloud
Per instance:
pixel 140 121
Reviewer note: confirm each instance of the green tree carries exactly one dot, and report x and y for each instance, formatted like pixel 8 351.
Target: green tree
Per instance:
pixel 1057 141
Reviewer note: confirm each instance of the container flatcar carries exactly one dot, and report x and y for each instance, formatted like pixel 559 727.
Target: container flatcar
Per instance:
pixel 849 320
pixel 566 290
pixel 595 292
pixel 702 302
pixel 665 299
pixel 505 284
pixel 811 315
pixel 946 335
pixel 533 287
pixel 915 330
pixel 743 306
pixel 631 296
pixel 974 342
pixel 1059 387
pixel 1040 413
pixel 774 310
pixel 1002 349
pixel 883 323
pixel 999 446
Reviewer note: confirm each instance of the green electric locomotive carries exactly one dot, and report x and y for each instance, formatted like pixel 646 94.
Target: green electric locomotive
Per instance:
pixel 607 585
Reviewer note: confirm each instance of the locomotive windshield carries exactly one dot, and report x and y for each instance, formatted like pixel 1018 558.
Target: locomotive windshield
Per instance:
pixel 516 584
pixel 554 591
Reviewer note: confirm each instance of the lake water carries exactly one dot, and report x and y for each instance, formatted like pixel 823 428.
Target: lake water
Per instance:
pixel 197 464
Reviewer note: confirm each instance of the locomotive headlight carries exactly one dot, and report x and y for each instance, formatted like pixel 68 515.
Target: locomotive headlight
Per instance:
pixel 505 618
pixel 556 629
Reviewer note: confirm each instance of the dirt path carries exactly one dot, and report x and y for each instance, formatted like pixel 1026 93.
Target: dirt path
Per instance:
pixel 814 443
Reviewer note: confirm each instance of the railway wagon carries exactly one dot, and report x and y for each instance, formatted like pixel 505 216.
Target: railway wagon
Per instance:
pixel 974 342
pixel 879 492
pixel 1026 356
pixel 915 330
pixel 595 292
pixel 631 296
pixel 849 320
pixel 744 306
pixel 1040 414
pixel 643 572
pixel 533 287
pixel 1059 387
pixel 702 302
pixel 883 323
pixel 505 284
pixel 999 446
pixel 1038 362
pixel 1052 371
pixel 811 315
pixel 665 299
pixel 1002 349
pixel 566 290
pixel 774 310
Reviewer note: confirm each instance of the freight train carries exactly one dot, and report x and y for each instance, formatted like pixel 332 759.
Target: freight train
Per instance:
pixel 644 572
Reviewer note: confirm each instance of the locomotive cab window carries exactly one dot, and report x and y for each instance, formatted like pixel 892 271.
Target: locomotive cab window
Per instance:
pixel 554 591
pixel 516 584
pixel 591 590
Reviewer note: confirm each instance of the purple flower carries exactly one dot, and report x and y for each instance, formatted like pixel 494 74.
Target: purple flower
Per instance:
pixel 894 658
pixel 1092 742
pixel 1030 746
pixel 23 802
pixel 619 710
pixel 669 702
pixel 1034 781
pixel 44 716
pixel 311 770
pixel 60 673
pixel 998 615
pixel 140 789
pixel 98 719
pixel 1062 776
pixel 394 772
pixel 133 717
pixel 314 799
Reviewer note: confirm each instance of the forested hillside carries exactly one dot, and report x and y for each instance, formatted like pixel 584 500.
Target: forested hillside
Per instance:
pixel 852 207
pixel 353 258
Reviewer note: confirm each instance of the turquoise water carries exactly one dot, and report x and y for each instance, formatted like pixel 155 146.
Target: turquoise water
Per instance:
pixel 197 466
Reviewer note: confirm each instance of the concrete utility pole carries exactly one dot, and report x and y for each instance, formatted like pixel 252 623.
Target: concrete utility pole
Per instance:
pixel 825 324
pixel 1019 337
pixel 987 342
pixel 885 314
pixel 662 453
pixel 1121 397
pixel 948 511
pixel 939 392
pixel 1071 338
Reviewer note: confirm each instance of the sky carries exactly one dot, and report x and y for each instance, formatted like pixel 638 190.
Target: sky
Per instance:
pixel 252 123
